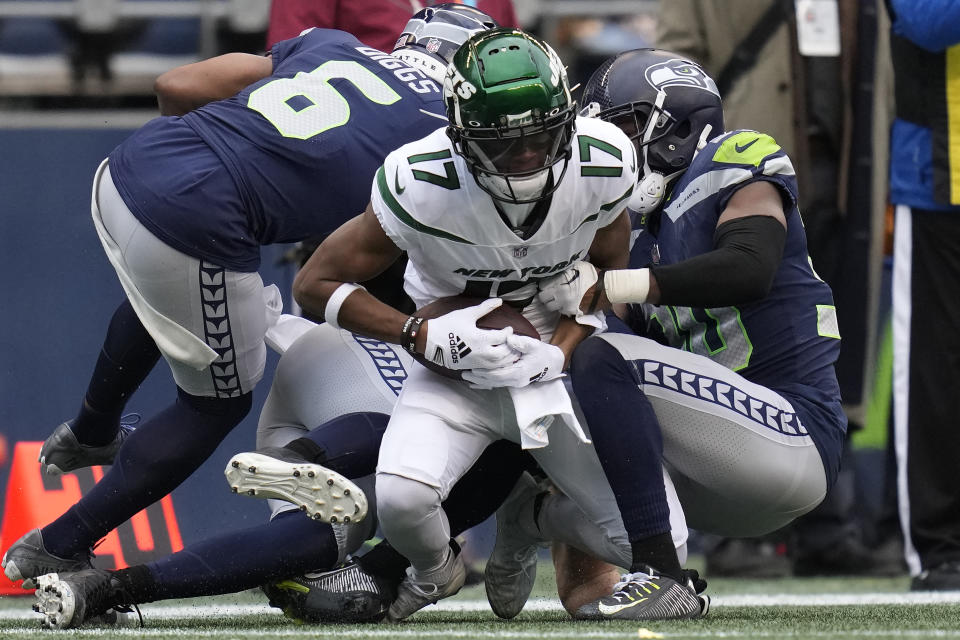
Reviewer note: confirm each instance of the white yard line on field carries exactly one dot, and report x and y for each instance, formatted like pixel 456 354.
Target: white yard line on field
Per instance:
pixel 160 611
pixel 393 631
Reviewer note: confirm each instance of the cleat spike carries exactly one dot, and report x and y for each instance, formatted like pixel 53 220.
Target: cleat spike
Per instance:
pixel 235 464
pixel 330 482
pixel 310 474
pixel 346 519
pixel 303 507
pixel 296 473
pixel 333 519
pixel 235 489
pixel 346 492
pixel 317 516
pixel 252 469
pixel 251 492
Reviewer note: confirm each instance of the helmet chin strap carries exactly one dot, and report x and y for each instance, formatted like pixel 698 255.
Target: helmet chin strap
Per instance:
pixel 650 190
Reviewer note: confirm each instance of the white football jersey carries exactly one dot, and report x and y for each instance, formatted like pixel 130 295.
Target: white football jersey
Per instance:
pixel 430 205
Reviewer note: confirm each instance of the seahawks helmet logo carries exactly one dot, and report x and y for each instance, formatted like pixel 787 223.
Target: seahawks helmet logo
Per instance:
pixel 678 72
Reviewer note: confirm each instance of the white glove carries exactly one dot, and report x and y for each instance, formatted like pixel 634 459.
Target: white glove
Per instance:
pixel 539 362
pixel 456 342
pixel 564 292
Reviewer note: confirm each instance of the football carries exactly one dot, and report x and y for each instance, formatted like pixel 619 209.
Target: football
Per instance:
pixel 500 318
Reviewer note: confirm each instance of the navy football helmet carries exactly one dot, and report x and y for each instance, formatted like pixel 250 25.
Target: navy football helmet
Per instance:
pixel 667 104
pixel 433 35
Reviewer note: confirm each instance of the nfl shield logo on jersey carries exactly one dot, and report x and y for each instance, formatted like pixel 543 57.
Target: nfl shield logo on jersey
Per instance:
pixel 433 45
pixel 519 252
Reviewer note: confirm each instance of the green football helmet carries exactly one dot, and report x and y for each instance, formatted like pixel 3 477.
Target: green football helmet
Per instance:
pixel 511 114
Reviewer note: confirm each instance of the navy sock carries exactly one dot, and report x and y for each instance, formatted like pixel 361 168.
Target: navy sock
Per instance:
pixel 625 434
pixel 155 459
pixel 348 444
pixel 482 489
pixel 127 357
pixel 658 552
pixel 288 545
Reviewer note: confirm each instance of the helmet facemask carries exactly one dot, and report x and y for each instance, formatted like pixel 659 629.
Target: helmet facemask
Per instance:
pixel 668 106
pixel 511 115
pixel 518 165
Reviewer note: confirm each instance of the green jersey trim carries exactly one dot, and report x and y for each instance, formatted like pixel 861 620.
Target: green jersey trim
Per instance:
pixel 397 210
pixel 610 206
pixel 425 157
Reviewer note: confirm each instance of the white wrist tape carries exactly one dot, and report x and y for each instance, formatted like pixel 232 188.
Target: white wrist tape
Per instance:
pixel 627 285
pixel 332 310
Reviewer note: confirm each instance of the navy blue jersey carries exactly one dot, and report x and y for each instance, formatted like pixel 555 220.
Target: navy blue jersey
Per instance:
pixel 289 157
pixel 789 340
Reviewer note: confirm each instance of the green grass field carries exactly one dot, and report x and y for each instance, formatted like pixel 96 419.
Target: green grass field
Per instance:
pixel 795 608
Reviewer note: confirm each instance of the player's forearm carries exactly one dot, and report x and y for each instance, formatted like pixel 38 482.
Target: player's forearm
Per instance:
pixel 611 246
pixel 364 315
pixel 567 335
pixel 354 310
pixel 191 86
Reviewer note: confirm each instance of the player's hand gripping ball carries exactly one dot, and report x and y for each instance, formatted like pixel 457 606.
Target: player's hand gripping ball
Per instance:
pixel 464 332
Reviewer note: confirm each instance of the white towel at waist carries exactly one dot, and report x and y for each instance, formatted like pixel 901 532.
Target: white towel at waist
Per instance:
pixel 538 406
pixel 287 330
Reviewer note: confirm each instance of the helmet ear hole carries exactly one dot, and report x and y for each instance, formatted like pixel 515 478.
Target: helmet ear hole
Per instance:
pixel 673 101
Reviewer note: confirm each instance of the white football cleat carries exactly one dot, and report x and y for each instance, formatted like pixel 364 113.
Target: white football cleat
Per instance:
pixel 278 473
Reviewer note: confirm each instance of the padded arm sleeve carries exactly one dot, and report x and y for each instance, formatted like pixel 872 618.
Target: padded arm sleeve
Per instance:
pixel 740 269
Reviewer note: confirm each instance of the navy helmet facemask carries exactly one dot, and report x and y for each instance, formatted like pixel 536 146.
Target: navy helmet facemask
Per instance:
pixel 666 104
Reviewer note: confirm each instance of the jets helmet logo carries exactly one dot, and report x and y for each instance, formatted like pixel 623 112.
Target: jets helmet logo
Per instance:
pixel 677 72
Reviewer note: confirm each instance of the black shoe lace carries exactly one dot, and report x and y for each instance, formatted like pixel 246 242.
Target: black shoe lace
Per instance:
pixel 120 594
pixel 129 608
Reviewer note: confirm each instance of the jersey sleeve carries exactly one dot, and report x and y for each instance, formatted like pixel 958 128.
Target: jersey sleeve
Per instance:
pixel 394 199
pixel 417 184
pixel 285 48
pixel 748 156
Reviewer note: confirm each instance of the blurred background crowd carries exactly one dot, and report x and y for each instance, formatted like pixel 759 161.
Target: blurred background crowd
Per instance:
pixel 93 53
pixel 820 83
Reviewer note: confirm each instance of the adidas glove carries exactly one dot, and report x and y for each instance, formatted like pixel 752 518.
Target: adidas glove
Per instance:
pixel 539 362
pixel 564 292
pixel 454 340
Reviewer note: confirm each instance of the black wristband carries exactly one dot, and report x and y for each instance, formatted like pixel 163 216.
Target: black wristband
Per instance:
pixel 408 334
pixel 597 290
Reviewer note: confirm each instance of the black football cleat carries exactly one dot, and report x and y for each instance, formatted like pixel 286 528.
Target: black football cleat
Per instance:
pixel 28 558
pixel 62 452
pixel 93 596
pixel 347 594
pixel 648 596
